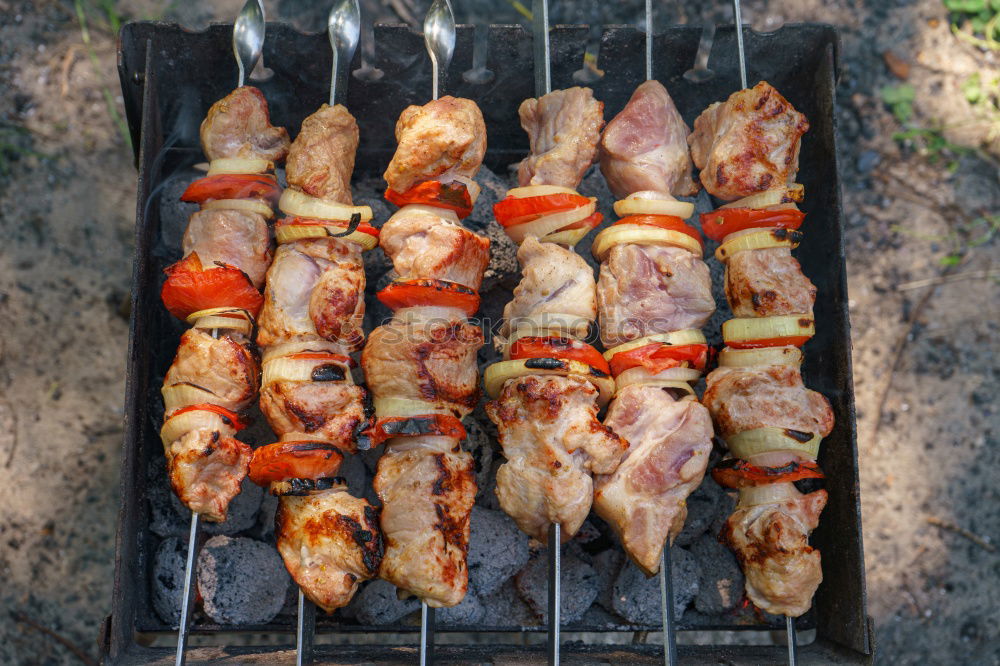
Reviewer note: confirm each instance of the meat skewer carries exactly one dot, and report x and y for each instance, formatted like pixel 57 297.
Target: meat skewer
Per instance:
pixel 547 390
pixel 311 321
pixel 654 294
pixel 421 364
pixel 747 149
pixel 215 373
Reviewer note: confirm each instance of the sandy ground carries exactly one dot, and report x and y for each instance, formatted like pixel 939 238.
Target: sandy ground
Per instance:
pixel 925 334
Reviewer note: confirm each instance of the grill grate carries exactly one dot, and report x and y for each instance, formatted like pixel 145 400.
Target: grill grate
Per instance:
pixel 170 76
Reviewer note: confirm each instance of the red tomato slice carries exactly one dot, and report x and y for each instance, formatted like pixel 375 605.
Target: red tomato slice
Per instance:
pixel 233 186
pixel 425 291
pixel 736 473
pixel 232 418
pixel 658 356
pixel 453 196
pixel 561 348
pixel 282 461
pixel 668 222
pixel 513 211
pixel 364 227
pixel 720 223
pixel 444 425
pixel 190 287
pixel 794 340
pixel 585 223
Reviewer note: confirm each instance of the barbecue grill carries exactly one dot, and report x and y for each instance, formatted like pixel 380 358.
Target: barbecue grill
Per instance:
pixel 171 75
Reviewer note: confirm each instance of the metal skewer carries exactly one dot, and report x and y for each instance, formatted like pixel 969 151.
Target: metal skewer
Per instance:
pixel 439 38
pixel 248 45
pixel 543 86
pixel 738 22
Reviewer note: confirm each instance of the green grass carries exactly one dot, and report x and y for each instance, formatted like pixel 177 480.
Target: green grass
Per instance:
pixel 113 22
pixel 976 22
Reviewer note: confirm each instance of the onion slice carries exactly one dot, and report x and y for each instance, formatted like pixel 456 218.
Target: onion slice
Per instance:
pixel 538 191
pixel 549 223
pixel 404 407
pixel 758 240
pixel 247 205
pixel 636 206
pixel 641 234
pixel 287 369
pixel 750 443
pixel 783 195
pixel 568 237
pixel 289 233
pixel 743 329
pixel 746 358
pixel 497 374
pixel 640 375
pixel 547 323
pixel 300 204
pixel 197 419
pixel 289 348
pixel 771 493
pixel 176 396
pixel 236 165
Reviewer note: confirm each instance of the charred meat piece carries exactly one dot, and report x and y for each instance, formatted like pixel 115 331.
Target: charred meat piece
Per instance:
pixel 234 237
pixel 748 144
pixel 330 542
pixel 206 470
pixel 432 361
pixel 648 289
pixel 427 485
pixel 553 441
pixel 437 141
pixel 315 291
pixel 644 148
pixel 239 126
pixel 644 500
pixel 424 245
pixel 771 542
pixel 756 397
pixel 329 411
pixel 563 128
pixel 222 366
pixel 321 158
pixel 554 280
pixel 767 282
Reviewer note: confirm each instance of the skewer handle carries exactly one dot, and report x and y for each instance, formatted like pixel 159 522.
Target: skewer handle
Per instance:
pixel 555 591
pixel 540 38
pixel 790 635
pixel 189 566
pixel 305 631
pixel 426 634
pixel 738 21
pixel 667 609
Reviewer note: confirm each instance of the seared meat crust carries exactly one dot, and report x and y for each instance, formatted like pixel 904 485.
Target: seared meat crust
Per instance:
pixel 239 126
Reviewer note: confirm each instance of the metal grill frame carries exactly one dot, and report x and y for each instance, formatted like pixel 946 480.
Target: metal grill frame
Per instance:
pixel 162 63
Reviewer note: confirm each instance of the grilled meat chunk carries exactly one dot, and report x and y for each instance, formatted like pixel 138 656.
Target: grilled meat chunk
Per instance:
pixel 644 148
pixel 432 361
pixel 427 485
pixel 206 469
pixel 771 542
pixel 328 411
pixel 321 159
pixel 644 500
pixel 423 244
pixel 437 141
pixel 563 128
pixel 554 281
pixel 748 144
pixel 648 289
pixel 222 366
pixel 239 125
pixel 755 397
pixel 767 282
pixel 235 237
pixel 331 543
pixel 552 440
pixel 315 291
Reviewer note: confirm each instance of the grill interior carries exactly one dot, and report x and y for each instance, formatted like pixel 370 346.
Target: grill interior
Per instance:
pixel 170 76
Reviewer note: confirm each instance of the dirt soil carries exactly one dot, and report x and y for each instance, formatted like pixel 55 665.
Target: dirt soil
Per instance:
pixel 926 334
